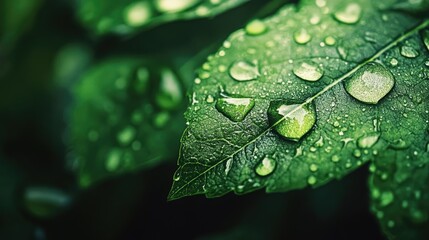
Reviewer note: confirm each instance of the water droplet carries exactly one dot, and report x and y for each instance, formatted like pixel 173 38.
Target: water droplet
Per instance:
pixel 161 119
pixel 312 180
pixel 308 71
pixel 170 94
pixel 425 36
pixel 370 83
pixel 329 40
pixel 266 166
pixel 172 6
pixel 292 121
pixel 113 160
pixel 390 223
pixel 141 80
pixel 314 167
pixel 244 71
pixel 368 140
pixel 209 99
pixel 399 144
pixel 235 108
pixel 126 135
pixel 349 14
pixel 409 52
pixel 256 27
pixel 45 202
pixel 228 166
pixel 176 176
pixel 301 36
pixel 335 158
pixel 137 14
pixel 357 153
pixel 386 198
pixel 394 62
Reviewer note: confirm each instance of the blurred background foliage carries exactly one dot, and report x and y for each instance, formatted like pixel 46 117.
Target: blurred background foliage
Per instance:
pixel 91 107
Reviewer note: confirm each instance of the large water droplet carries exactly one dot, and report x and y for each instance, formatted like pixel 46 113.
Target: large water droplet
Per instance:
pixel 368 140
pixel 256 27
pixel 370 83
pixel 244 71
pixel 170 94
pixel 292 121
pixel 409 52
pixel 307 70
pixel 349 14
pixel 266 166
pixel 301 36
pixel 137 14
pixel 45 202
pixel 172 6
pixel 126 135
pixel 235 108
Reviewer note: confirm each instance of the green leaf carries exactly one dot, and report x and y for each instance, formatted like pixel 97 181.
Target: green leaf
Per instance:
pixel 400 192
pixel 124 17
pixel 309 64
pixel 126 117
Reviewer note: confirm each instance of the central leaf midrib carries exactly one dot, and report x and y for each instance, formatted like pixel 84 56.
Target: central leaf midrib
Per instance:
pixel 392 44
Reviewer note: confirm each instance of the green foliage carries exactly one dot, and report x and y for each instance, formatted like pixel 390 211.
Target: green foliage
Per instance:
pixel 124 17
pixel 139 101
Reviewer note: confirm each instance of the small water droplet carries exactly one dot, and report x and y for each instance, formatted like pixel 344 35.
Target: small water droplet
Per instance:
pixel 399 144
pixel 368 140
pixel 176 176
pixel 312 180
pixel 235 108
pixel 330 41
pixel 256 27
pixel 357 153
pixel 292 121
pixel 386 198
pixel 137 14
pixel 126 135
pixel 244 71
pixel 314 167
pixel 370 83
pixel 266 166
pixel 301 36
pixel 335 158
pixel 209 99
pixel 113 160
pixel 409 52
pixel 172 6
pixel 349 13
pixel 308 71
pixel 228 166
pixel 394 62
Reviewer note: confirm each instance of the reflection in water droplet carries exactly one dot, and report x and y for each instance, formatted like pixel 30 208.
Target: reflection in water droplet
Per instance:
pixel 137 14
pixel 171 6
pixel 244 71
pixel 176 176
pixel 235 108
pixel 292 121
pixel 409 52
pixel 349 14
pixel 266 166
pixel 308 71
pixel 335 158
pixel 301 36
pixel 370 83
pixel 255 27
pixel 368 140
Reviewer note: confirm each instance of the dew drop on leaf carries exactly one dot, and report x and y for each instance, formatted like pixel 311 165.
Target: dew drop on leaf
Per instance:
pixel 266 166
pixel 314 167
pixel 394 62
pixel 349 13
pixel 256 27
pixel 308 71
pixel 399 144
pixel 126 135
pixel 301 36
pixel 137 14
pixel 409 52
pixel 234 108
pixel 169 95
pixel 291 121
pixel 368 140
pixel 386 198
pixel 330 41
pixel 172 6
pixel 312 180
pixel 370 83
pixel 244 71
pixel 113 160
